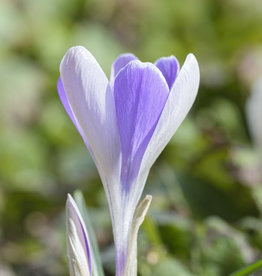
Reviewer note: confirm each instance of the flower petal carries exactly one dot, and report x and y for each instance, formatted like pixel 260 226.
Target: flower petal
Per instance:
pixel 169 66
pixel 64 100
pixel 177 106
pixel 77 241
pixel 97 268
pixel 119 63
pixel 91 100
pixel 140 95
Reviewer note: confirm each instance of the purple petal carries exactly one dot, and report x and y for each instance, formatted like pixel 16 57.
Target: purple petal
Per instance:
pixel 169 66
pixel 179 102
pixel 140 94
pixel 119 63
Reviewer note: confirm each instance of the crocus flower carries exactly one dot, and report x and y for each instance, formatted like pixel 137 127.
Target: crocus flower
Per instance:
pixel 126 122
pixel 78 245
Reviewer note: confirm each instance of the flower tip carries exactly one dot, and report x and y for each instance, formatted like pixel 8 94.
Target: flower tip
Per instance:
pixel 192 58
pixel 191 65
pixel 74 56
pixel 126 56
pixel 70 201
pixel 69 197
pixel 77 48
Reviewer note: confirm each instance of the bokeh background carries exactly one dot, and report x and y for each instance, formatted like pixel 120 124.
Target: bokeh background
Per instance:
pixel 205 218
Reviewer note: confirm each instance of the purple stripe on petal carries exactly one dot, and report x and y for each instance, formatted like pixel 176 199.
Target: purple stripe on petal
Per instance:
pixel 169 66
pixel 85 239
pixel 64 100
pixel 140 92
pixel 119 63
pixel 73 213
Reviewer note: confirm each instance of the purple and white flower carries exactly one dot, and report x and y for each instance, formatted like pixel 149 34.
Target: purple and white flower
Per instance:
pixel 78 245
pixel 126 122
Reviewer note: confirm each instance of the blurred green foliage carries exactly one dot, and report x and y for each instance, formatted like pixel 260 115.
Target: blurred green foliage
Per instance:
pixel 205 218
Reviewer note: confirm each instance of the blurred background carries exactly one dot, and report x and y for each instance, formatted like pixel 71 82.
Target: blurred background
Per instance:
pixel 205 218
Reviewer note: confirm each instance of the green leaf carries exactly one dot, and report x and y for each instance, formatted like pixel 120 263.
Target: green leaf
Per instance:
pixel 247 270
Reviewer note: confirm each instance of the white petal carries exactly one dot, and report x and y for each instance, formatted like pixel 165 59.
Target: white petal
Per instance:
pixel 178 104
pixel 78 245
pixel 92 103
pixel 254 113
